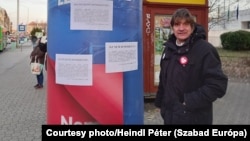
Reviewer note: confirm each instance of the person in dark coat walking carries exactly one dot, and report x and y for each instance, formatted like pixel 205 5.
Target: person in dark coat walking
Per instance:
pixel 39 53
pixel 191 75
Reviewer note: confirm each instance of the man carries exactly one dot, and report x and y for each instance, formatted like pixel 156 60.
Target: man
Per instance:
pixel 191 77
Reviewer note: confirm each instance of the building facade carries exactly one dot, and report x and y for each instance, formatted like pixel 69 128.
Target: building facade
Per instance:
pixel 236 16
pixel 7 25
pixel 41 25
pixel 5 22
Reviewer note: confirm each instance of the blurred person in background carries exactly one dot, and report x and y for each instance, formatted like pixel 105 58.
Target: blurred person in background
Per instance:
pixel 39 53
pixel 34 41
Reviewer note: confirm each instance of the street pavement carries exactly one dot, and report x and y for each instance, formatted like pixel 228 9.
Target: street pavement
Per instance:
pixel 23 108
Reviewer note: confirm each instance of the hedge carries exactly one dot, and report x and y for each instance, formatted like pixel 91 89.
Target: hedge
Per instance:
pixel 237 40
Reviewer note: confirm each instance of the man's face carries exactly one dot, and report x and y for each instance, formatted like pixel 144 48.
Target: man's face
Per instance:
pixel 182 30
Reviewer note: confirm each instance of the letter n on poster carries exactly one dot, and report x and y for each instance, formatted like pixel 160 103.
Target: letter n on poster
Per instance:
pixel 74 69
pixel 121 56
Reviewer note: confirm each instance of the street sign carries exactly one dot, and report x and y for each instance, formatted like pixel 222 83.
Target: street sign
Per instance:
pixel 21 27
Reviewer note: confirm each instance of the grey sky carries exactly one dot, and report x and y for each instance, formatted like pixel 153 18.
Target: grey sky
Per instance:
pixel 29 10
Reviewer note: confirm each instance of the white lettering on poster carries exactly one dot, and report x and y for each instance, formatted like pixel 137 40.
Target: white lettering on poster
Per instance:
pixel 62 2
pixel 70 121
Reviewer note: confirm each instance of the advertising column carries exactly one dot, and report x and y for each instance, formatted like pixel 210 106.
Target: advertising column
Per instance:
pixel 94 68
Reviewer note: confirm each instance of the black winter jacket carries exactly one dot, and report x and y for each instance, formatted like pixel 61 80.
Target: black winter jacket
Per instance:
pixel 197 81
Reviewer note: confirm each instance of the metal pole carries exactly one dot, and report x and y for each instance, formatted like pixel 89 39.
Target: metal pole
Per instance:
pixel 28 17
pixel 225 15
pixel 17 29
pixel 27 13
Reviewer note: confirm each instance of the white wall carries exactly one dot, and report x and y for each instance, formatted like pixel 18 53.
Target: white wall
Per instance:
pixel 233 24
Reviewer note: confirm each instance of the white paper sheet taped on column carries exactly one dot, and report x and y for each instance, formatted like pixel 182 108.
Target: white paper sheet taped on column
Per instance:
pixel 74 69
pixel 121 56
pixel 91 15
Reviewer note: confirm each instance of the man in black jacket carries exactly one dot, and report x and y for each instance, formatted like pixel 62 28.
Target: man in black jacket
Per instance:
pixel 191 77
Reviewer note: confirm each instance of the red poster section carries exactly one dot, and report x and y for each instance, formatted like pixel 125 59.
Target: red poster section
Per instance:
pixel 101 103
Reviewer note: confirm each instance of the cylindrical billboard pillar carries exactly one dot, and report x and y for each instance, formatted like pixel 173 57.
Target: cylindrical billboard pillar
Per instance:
pixel 94 68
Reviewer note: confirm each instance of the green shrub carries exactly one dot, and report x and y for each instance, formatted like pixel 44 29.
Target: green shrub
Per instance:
pixel 225 40
pixel 237 40
pixel 34 30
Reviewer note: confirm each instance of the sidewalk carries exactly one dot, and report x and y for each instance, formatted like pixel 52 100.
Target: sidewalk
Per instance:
pixel 232 109
pixel 23 108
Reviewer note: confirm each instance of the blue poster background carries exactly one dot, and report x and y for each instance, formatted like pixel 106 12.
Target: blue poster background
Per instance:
pixel 127 27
